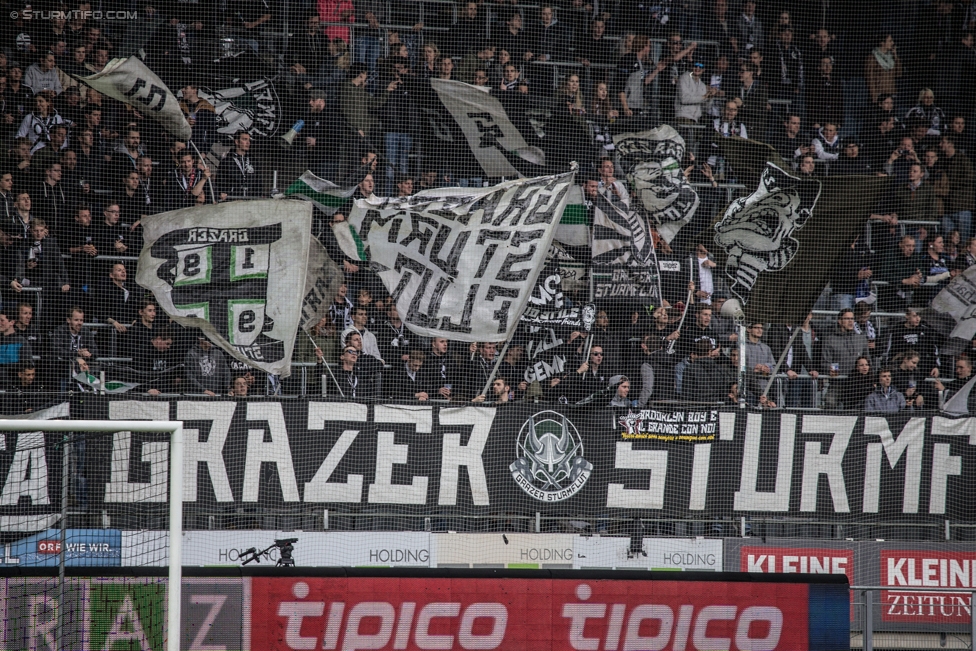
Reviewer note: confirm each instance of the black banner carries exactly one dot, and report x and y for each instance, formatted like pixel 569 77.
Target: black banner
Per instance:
pixel 518 459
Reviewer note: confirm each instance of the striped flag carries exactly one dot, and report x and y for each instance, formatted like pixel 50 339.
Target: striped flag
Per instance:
pixel 574 225
pixel 327 197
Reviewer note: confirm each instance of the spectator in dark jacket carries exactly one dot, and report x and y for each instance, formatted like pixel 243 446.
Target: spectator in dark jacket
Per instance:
pixel 206 368
pixel 885 399
pixel 404 380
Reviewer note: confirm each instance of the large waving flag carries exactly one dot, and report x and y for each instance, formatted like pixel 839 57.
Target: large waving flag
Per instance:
pixel 782 242
pixel 462 262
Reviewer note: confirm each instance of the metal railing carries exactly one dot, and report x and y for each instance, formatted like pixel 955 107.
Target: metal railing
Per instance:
pixel 866 608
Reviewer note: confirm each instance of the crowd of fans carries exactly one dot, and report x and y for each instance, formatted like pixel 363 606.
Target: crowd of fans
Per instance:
pixel 891 93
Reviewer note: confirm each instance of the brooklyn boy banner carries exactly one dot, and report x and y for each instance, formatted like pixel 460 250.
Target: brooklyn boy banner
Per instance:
pixel 417 459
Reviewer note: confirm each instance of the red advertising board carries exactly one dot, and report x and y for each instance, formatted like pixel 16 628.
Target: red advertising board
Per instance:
pixel 929 569
pixel 533 614
pixel 803 560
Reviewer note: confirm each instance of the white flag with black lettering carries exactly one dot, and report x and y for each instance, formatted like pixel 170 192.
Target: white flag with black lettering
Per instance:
pixel 129 81
pixel 461 262
pixel 231 270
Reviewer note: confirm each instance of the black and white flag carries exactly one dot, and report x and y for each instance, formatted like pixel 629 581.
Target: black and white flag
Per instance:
pixel 620 235
pixel 652 162
pixel 247 106
pixel 231 270
pixel 548 323
pixel 781 244
pixel 129 81
pixel 460 262
pixel 486 127
pixel 757 232
pixel 958 300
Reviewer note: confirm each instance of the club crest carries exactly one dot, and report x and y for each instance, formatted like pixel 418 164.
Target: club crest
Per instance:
pixel 549 462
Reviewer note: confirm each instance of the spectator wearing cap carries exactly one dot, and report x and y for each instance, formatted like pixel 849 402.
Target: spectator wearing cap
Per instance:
pixel 43 75
pixel 691 94
pixel 206 368
pixel 850 162
pixel 319 136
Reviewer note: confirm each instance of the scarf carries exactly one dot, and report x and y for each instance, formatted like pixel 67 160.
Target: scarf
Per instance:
pixel 885 60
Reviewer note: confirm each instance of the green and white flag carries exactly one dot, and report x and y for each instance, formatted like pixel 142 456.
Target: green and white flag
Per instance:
pixel 327 197
pixel 111 386
pixel 574 225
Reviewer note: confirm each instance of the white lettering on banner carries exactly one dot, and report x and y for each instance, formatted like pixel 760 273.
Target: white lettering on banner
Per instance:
pixel 816 464
pixel 27 476
pixel 747 498
pixel 353 639
pixel 454 455
pixel 928 569
pixel 320 489
pixel 388 453
pixel 944 464
pixel 277 451
pixel 699 476
pixel 911 439
pixel 791 560
pixel 668 628
pixel 209 452
pixel 155 453
pixel 627 458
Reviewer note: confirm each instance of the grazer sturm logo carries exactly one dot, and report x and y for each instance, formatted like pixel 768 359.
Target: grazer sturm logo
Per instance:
pixel 549 462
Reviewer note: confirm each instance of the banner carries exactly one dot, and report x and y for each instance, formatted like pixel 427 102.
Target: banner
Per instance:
pixel 547 324
pixel 231 270
pixel 561 614
pixel 782 242
pixel 900 565
pixel 486 127
pixel 525 459
pixel 652 161
pixel 129 81
pixel 327 197
pixel 460 262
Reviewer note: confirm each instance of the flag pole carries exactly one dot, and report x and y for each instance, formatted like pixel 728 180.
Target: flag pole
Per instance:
pixel 779 362
pixel 209 181
pixel 324 363
pixel 498 362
